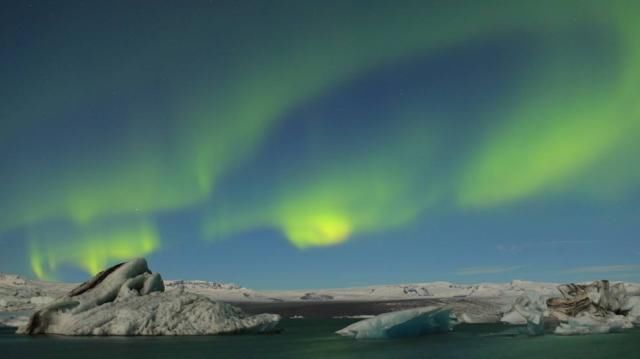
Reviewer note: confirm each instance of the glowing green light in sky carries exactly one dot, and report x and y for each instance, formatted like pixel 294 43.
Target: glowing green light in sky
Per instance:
pixel 568 117
pixel 91 248
pixel 566 127
pixel 328 211
pixel 222 123
pixel 364 192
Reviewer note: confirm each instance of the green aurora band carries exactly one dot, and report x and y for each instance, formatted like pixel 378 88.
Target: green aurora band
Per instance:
pixel 91 248
pixel 545 143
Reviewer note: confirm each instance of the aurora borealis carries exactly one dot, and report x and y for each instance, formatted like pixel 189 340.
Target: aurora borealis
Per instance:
pixel 394 141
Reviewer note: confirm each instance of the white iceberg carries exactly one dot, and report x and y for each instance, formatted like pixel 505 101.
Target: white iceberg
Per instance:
pixel 586 323
pixel 514 318
pixel 128 299
pixel 632 307
pixel 404 323
pixel 532 308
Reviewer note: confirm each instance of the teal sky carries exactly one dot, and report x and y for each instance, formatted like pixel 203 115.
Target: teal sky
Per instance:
pixel 290 144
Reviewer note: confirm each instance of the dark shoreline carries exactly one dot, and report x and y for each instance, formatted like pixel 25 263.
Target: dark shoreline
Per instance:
pixel 331 309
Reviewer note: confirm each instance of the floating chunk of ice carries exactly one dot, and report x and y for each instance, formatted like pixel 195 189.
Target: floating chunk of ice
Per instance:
pixel 586 323
pixel 404 323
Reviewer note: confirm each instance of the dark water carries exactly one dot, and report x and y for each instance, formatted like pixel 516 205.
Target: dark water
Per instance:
pixel 315 339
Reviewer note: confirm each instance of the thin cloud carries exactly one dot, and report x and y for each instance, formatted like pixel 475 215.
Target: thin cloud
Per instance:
pixel 521 247
pixel 486 270
pixel 571 242
pixel 618 268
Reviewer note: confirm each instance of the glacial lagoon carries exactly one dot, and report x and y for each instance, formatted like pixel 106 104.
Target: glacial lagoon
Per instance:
pixel 310 338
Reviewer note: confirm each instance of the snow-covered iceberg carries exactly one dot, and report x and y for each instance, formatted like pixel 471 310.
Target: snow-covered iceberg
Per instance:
pixel 581 309
pixel 404 323
pixel 128 299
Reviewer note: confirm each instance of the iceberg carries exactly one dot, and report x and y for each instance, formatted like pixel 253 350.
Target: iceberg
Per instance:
pixel 404 323
pixel 590 309
pixel 582 309
pixel 532 308
pixel 586 323
pixel 128 299
pixel 598 298
pixel 632 308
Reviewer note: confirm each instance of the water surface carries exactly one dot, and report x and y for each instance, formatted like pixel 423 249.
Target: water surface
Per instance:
pixel 306 338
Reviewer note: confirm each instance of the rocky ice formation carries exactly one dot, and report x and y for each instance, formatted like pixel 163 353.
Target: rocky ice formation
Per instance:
pixel 581 309
pixel 593 308
pixel 403 323
pixel 128 299
pixel 598 298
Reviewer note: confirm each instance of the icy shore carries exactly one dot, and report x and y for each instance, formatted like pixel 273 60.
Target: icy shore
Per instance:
pixel 469 303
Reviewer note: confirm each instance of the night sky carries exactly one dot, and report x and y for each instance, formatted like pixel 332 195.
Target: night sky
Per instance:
pixel 304 144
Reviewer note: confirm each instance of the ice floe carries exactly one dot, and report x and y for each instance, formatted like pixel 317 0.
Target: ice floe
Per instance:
pixel 403 323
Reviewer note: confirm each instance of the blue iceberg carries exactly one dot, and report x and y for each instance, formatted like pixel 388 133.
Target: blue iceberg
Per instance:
pixel 404 323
